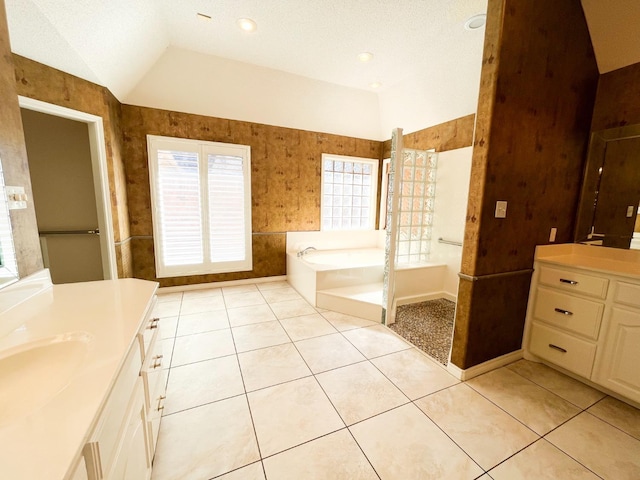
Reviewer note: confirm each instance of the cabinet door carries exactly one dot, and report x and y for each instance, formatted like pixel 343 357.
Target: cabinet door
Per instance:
pixel 618 367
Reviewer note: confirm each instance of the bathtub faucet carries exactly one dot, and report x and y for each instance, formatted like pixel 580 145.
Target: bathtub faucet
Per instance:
pixel 302 252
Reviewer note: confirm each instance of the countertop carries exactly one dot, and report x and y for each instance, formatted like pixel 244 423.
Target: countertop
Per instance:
pixel 606 260
pixel 44 444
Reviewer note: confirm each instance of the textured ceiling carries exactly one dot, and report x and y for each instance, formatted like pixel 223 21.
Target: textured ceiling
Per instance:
pixel 613 26
pixel 114 42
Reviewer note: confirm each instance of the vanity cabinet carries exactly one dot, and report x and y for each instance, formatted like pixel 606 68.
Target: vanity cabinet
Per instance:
pixel 584 317
pixel 123 443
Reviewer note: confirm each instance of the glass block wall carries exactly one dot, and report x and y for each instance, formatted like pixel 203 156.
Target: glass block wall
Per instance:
pixel 417 199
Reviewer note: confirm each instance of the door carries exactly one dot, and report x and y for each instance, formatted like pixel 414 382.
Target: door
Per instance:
pixel 64 196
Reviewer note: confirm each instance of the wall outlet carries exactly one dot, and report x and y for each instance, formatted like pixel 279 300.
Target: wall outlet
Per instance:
pixel 501 209
pixel 16 198
pixel 552 235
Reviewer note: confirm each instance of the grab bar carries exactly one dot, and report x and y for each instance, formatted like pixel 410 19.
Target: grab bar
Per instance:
pixel 69 232
pixel 449 242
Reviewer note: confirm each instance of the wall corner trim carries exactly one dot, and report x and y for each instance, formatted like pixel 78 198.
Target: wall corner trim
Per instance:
pixel 484 367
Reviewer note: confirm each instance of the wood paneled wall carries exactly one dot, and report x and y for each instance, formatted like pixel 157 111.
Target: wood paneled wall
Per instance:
pixel 38 81
pixel 536 98
pixel 618 99
pixel 13 155
pixel 451 135
pixel 285 182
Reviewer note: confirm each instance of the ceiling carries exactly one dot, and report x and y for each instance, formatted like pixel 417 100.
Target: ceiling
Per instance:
pixel 114 42
pixel 423 57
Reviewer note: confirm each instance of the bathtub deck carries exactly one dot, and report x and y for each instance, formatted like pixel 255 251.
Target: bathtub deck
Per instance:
pixel 364 301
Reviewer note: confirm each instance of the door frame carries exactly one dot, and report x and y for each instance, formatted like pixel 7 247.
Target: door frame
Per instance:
pixel 98 149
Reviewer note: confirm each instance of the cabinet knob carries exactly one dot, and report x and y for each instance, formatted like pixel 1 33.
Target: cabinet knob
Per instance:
pixel 158 361
pixel 564 312
pixel 570 282
pixel 153 323
pixel 161 398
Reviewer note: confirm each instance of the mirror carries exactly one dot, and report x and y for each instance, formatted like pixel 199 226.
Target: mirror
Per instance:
pixel 608 209
pixel 8 261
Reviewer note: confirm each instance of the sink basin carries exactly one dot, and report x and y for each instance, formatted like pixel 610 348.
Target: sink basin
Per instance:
pixel 33 373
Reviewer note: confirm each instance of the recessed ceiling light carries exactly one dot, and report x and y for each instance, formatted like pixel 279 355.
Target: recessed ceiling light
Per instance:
pixel 365 57
pixel 203 17
pixel 476 21
pixel 247 24
pixel 375 85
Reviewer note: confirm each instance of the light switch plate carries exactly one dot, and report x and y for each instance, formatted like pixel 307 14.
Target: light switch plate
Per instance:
pixel 501 209
pixel 552 235
pixel 630 210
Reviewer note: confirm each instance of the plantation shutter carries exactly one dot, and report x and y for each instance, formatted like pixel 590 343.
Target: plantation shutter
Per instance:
pixel 201 206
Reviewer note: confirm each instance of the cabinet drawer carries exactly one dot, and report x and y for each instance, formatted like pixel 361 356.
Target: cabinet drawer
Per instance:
pixel 564 350
pixel 152 373
pixel 152 324
pixel 568 312
pixel 110 426
pixel 627 294
pixel 574 282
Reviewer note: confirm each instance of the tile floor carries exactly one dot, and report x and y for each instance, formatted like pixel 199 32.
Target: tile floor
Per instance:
pixel 263 386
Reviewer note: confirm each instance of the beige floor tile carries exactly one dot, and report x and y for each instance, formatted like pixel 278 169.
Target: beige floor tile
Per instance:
pixel 259 335
pixel 166 309
pixel 375 341
pixel 360 391
pixel 272 365
pixel 541 461
pixel 566 387
pixel 280 295
pixel 537 408
pixel 487 433
pixel 206 441
pixel 335 456
pixel 169 297
pixel 307 326
pixel 202 346
pixel 201 304
pixel 292 308
pixel 292 413
pixel 248 288
pixel 600 447
pixel 405 444
pixel 203 292
pixel 250 315
pixel 168 327
pixel 618 414
pixel 250 472
pixel 202 382
pixel 244 299
pixel 328 352
pixel 414 373
pixel 272 285
pixel 343 322
pixel 202 322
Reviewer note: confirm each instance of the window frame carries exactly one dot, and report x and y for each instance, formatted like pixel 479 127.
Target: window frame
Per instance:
pixel 203 148
pixel 373 194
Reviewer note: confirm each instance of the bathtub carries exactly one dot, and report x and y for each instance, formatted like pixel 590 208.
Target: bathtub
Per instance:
pixel 331 269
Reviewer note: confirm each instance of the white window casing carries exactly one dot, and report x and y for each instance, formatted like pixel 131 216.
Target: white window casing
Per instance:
pixel 201 206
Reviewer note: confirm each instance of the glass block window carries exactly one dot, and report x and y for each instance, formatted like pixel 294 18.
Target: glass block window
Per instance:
pixel 349 191
pixel 417 199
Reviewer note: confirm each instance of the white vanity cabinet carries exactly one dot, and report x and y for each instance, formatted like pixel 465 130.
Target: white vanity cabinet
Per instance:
pixel 123 443
pixel 583 315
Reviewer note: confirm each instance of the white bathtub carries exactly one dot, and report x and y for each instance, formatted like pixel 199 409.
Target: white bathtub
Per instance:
pixel 328 269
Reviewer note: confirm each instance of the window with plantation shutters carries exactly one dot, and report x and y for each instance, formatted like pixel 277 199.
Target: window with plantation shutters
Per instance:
pixel 201 206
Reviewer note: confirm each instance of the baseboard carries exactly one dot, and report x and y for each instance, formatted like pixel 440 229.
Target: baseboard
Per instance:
pixel 229 283
pixel 424 298
pixel 485 367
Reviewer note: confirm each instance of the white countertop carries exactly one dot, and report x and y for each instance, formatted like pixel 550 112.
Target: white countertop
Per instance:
pixel 43 444
pixel 596 258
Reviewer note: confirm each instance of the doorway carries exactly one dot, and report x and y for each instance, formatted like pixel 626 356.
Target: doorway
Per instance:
pixel 66 157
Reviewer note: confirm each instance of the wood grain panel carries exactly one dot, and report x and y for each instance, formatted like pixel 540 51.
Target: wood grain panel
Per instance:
pixel 618 99
pixel 13 155
pixel 285 180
